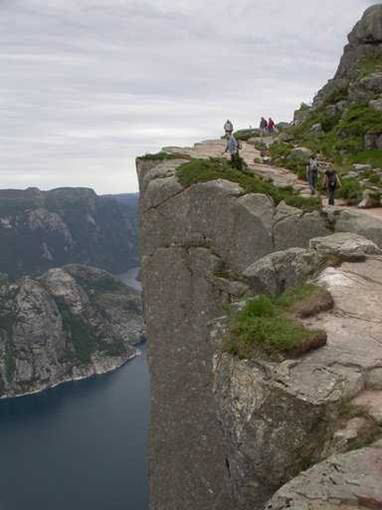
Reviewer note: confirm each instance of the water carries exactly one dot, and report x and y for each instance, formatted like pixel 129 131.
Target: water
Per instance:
pixel 80 446
pixel 130 278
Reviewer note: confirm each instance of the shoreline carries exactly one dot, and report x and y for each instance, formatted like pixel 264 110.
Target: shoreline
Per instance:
pixel 98 372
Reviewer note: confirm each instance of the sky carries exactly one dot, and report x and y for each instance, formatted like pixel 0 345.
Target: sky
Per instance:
pixel 86 86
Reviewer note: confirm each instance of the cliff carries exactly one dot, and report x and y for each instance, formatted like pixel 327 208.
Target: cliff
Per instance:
pixel 44 229
pixel 262 309
pixel 226 433
pixel 69 323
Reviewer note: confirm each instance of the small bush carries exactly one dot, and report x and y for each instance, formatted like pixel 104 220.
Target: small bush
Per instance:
pixel 351 191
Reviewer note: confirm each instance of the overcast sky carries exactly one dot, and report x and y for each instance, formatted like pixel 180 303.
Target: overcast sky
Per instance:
pixel 88 85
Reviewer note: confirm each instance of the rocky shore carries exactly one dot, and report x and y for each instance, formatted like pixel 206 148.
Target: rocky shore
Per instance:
pixel 70 323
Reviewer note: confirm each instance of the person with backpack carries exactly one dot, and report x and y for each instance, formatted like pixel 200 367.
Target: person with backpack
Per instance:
pixel 332 181
pixel 271 125
pixel 233 147
pixel 312 173
pixel 263 125
pixel 228 128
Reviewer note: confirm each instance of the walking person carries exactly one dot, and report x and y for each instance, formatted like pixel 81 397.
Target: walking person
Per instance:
pixel 232 148
pixel 228 128
pixel 312 173
pixel 263 125
pixel 271 125
pixel 331 182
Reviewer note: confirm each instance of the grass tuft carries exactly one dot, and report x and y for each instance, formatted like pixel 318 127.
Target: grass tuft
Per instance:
pixel 163 156
pixel 268 325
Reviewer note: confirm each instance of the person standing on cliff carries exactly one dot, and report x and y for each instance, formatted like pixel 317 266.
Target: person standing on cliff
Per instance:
pixel 312 173
pixel 228 128
pixel 232 148
pixel 331 182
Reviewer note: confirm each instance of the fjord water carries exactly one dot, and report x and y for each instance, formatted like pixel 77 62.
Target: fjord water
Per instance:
pixel 80 446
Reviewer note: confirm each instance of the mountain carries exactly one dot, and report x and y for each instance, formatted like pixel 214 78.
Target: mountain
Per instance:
pixel 44 229
pixel 69 323
pixel 344 124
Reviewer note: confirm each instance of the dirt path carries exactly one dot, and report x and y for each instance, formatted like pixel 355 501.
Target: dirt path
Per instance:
pixel 279 176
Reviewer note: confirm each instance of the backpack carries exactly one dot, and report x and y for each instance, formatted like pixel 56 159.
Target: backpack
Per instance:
pixel 332 179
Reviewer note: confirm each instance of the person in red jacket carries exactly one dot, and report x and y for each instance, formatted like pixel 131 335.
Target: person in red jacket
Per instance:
pixel 271 125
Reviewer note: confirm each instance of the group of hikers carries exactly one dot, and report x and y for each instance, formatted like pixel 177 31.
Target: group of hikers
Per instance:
pixel 331 179
pixel 267 126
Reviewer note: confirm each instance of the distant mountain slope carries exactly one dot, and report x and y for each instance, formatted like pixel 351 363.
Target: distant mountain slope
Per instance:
pixel 44 229
pixel 69 323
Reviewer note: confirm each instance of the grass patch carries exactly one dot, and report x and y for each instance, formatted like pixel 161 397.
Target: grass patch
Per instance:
pixel 245 134
pixel 369 65
pixel 359 120
pixel 202 170
pixel 163 156
pixel 268 325
pixel 371 157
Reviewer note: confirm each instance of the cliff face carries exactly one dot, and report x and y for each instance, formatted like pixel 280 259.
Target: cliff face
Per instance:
pixel 359 73
pixel 212 441
pixel 40 230
pixel 69 323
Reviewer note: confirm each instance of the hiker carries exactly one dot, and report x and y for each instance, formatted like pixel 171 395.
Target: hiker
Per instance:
pixel 271 125
pixel 228 128
pixel 312 173
pixel 331 182
pixel 233 149
pixel 263 125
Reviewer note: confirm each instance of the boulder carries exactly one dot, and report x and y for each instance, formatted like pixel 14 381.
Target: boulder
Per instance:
pixel 300 153
pixel 376 104
pixel 344 245
pixel 281 270
pixel 302 114
pixel 283 125
pixel 347 481
pixel 371 198
pixel 370 141
pixel 350 175
pixel 316 128
pixel 360 168
pixel 369 29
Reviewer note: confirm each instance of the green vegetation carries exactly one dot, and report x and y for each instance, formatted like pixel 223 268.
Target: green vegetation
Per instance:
pixel 245 134
pixel 371 157
pixel 359 120
pixel 351 191
pixel 163 156
pixel 100 284
pixel 268 325
pixel 201 170
pixel 280 154
pixel 338 94
pixel 369 65
pixel 80 333
pixel 10 362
